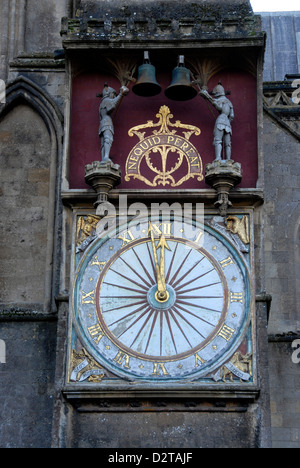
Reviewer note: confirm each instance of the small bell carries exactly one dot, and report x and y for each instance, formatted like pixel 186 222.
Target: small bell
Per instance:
pixel 146 85
pixel 180 88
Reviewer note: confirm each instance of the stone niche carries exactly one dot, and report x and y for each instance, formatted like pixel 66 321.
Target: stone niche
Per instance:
pixel 24 194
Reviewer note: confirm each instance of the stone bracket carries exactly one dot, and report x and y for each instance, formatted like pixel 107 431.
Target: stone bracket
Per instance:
pixel 103 177
pixel 223 176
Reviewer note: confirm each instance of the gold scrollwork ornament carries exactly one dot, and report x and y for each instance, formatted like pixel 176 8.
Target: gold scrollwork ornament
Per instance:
pixel 239 366
pixel 84 367
pixel 240 227
pixel 163 142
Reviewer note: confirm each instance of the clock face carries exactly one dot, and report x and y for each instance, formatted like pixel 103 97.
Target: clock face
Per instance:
pixel 154 305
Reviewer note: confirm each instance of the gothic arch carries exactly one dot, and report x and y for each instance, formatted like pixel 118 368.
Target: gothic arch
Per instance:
pixel 23 89
pixel 22 92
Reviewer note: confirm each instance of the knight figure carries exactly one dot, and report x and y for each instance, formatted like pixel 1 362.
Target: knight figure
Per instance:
pixel 223 129
pixel 110 101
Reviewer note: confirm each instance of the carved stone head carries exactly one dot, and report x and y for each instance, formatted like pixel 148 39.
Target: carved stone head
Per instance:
pixel 218 90
pixel 108 92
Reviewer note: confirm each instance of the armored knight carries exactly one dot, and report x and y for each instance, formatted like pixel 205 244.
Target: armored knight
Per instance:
pixel 223 129
pixel 109 103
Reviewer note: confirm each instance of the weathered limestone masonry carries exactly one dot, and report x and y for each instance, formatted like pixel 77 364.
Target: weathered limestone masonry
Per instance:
pixel 281 155
pixel 42 45
pixel 31 130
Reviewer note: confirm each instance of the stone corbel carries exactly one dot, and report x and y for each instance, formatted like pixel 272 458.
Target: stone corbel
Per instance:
pixel 223 176
pixel 103 177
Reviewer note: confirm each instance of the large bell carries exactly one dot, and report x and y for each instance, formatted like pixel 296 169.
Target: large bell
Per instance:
pixel 180 88
pixel 146 84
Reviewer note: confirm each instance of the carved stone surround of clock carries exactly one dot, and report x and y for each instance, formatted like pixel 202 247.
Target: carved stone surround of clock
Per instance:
pixel 157 309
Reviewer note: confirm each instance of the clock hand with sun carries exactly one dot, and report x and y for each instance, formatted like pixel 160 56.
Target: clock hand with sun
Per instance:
pixel 162 294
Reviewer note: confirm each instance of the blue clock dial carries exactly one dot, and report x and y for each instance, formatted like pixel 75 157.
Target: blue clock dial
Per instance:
pixel 155 307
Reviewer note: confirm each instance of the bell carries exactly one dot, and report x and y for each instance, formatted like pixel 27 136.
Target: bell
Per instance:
pixel 146 85
pixel 180 88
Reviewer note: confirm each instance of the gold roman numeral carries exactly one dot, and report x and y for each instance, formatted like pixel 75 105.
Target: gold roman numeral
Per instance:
pixel 199 360
pixel 226 333
pixel 159 229
pixel 225 263
pixel 96 333
pixel 159 368
pixel 127 237
pixel 236 297
pixel 88 298
pixel 199 237
pixel 122 359
pixel 101 265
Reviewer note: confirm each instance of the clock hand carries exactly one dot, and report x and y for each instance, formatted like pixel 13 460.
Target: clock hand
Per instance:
pixel 162 294
pixel 163 245
pixel 158 277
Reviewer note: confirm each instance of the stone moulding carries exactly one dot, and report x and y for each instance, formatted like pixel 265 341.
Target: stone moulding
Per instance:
pixel 23 314
pixel 78 396
pixel 37 61
pixel 139 30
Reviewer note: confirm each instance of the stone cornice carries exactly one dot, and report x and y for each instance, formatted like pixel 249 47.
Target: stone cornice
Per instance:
pixel 138 31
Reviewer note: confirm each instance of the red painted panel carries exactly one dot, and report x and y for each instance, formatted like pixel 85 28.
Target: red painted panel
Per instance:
pixel 135 110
